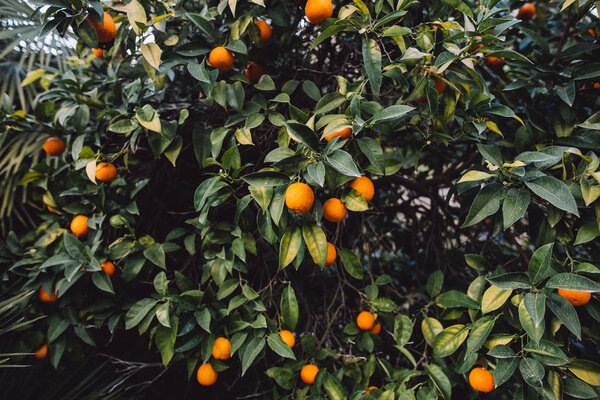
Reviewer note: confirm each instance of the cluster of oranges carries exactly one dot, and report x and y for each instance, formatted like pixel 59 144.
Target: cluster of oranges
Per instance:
pixel 105 32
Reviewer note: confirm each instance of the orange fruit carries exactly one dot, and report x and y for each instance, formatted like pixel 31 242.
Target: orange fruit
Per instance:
pixel 481 380
pixel 46 298
pixel 98 53
pixel 368 391
pixel 334 210
pixel 221 348
pixel 575 297
pixel 363 185
pixel 478 45
pixel 253 71
pixel 299 197
pixel 265 31
pixel 108 267
pixel 308 373
pixel 54 146
pixel 331 255
pixel 365 321
pixel 42 352
pixel 592 32
pixel 221 59
pixel 288 338
pixel 206 375
pixel 596 85
pixel 345 133
pixel 494 62
pixel 376 329
pixel 439 86
pixel 107 31
pixel 50 209
pixel 318 11
pixel 106 172
pixel 79 226
pixel 526 12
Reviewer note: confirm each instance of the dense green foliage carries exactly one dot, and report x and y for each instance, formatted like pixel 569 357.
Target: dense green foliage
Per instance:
pixel 486 197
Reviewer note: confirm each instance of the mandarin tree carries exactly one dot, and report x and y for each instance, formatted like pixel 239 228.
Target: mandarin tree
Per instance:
pixel 306 199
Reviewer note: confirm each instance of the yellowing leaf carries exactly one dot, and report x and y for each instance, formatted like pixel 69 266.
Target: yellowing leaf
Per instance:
pixel 514 164
pixel 151 53
pixel 566 4
pixel 135 13
pixel 243 136
pixel 171 40
pixel 153 124
pixel 493 298
pixel 587 371
pixel 493 127
pixel 474 175
pixel 90 170
pixel 498 339
pixel 33 76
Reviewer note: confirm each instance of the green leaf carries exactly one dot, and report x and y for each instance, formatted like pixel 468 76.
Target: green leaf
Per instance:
pixel 289 308
pixel 316 241
pixel 203 319
pixel 573 282
pixel 532 371
pixel 479 333
pixel 515 204
pixel 327 33
pixel 460 6
pixel 156 254
pixel 56 328
pixel 372 149
pixel 351 262
pixel 252 351
pixel 510 281
pixel 162 314
pixel 289 246
pixel 283 376
pixel 74 247
pixel 533 331
pixel 501 351
pixel 535 303
pixel 329 102
pixel 505 368
pixel 449 340
pixel 439 380
pixel 138 311
pixel 372 63
pixel 334 388
pixel 587 233
pixel 204 25
pixel 486 203
pixel 434 283
pixel 403 327
pixel 509 54
pixel 454 299
pixel 565 312
pixel 342 162
pixel 554 191
pixel 311 89
pixel 578 389
pixel 165 341
pixel 494 298
pixel 431 327
pixel 279 346
pixel 391 114
pixel 103 282
pixel 303 134
pixel 539 265
pixel 547 353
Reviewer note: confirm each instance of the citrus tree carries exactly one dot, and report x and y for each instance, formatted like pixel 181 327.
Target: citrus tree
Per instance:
pixel 378 200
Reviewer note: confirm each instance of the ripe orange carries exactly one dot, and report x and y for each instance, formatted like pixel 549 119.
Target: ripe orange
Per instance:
pixel 334 210
pixel 221 348
pixel 206 375
pixel 592 32
pixel 253 71
pixel 288 338
pixel 365 321
pixel 79 226
pixel 596 85
pixel 575 297
pixel 526 12
pixel 376 329
pixel 54 146
pixel 50 209
pixel 42 352
pixel 478 45
pixel 221 59
pixel 368 391
pixel 439 86
pixel 46 298
pixel 494 62
pixel 345 133
pixel 98 53
pixel 363 185
pixel 318 11
pixel 481 380
pixel 106 32
pixel 106 172
pixel 308 373
pixel 265 31
pixel 108 267
pixel 299 197
pixel 331 255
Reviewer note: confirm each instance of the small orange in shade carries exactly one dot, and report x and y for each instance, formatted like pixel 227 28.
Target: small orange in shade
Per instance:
pixel 526 12
pixel 50 209
pixel 206 375
pixel 494 62
pixel 376 329
pixel 79 226
pixel 288 338
pixel 54 146
pixel 265 31
pixel 334 210
pixel 98 53
pixel 596 85
pixel 478 45
pixel 221 59
pixel 575 297
pixel 592 32
pixel 42 352
pixel 106 32
pixel 439 86
pixel 108 267
pixel 363 185
pixel 331 255
pixel 221 348
pixel 106 172
pixel 481 380
pixel 365 321
pixel 46 298
pixel 299 197
pixel 308 373
pixel 253 71
pixel 318 11
pixel 368 391
pixel 344 133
